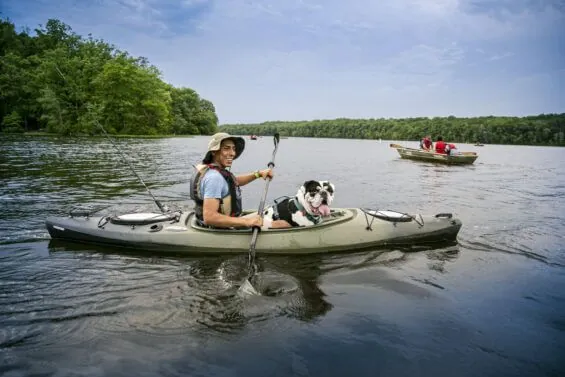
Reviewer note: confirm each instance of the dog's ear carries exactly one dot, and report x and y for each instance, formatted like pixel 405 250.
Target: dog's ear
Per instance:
pixel 329 186
pixel 311 185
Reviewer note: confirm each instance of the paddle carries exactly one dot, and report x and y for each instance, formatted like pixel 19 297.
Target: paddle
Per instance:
pixel 392 145
pixel 252 267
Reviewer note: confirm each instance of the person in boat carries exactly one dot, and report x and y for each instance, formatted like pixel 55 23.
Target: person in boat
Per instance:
pixel 216 190
pixel 440 145
pixel 451 149
pixel 426 143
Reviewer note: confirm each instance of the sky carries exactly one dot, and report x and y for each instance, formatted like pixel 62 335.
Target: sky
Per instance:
pixel 265 60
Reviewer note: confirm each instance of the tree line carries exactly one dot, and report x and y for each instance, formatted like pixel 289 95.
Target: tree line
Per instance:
pixel 63 83
pixel 544 129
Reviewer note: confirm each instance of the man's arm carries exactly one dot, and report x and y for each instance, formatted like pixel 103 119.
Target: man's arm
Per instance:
pixel 214 218
pixel 244 179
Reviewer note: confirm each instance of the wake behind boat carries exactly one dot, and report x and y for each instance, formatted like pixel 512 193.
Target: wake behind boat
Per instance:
pixel 345 229
pixel 463 158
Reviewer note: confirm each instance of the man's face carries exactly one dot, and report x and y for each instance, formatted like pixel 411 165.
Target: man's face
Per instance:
pixel 226 154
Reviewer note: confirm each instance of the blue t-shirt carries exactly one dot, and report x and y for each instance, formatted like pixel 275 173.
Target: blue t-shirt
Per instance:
pixel 213 185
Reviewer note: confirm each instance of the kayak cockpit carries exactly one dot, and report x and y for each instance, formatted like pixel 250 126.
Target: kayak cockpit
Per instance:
pixel 335 217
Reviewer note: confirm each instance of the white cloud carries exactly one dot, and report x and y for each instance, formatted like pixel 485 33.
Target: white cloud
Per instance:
pixel 501 56
pixel 390 58
pixel 192 3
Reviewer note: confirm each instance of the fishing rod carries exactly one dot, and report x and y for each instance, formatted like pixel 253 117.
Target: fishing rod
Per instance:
pixel 162 208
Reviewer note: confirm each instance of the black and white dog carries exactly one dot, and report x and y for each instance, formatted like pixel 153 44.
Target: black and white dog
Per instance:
pixel 311 203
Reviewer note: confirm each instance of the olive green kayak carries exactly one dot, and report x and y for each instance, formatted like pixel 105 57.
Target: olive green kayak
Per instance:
pixel 345 229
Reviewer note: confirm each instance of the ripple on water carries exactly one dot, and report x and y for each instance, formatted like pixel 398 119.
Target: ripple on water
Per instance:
pixel 533 242
pixel 92 294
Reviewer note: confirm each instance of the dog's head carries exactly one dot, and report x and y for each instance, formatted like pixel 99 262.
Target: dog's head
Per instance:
pixel 316 197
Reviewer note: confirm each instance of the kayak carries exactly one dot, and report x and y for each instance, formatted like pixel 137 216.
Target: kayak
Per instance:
pixel 463 158
pixel 345 229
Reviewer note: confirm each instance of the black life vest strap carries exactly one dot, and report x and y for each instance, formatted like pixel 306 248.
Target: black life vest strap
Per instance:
pixel 283 209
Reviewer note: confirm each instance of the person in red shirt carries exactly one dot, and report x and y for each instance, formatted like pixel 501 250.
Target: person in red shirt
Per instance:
pixel 426 143
pixel 440 145
pixel 451 149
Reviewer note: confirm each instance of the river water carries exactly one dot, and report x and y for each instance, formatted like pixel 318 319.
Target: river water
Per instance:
pixel 491 305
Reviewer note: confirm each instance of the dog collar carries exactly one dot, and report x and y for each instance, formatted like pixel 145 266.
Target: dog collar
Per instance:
pixel 314 219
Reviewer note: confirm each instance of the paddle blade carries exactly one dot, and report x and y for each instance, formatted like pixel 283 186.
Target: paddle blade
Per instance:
pixel 276 138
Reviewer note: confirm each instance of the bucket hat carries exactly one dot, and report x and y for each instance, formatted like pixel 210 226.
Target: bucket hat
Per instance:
pixel 216 142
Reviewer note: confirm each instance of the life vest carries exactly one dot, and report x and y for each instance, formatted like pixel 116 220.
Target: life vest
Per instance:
pixel 440 147
pixel 425 143
pixel 285 206
pixel 230 205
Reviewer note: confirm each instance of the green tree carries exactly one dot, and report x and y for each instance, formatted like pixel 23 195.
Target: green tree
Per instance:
pixel 12 123
pixel 67 84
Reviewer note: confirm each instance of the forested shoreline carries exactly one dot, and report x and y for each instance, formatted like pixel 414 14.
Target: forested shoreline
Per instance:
pixel 544 129
pixel 56 81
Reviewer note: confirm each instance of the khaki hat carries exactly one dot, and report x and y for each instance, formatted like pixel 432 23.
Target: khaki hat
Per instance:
pixel 216 141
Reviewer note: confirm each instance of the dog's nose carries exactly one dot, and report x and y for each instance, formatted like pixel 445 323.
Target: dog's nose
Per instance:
pixel 324 195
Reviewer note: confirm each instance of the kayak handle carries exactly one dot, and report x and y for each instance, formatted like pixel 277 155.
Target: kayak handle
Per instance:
pixel 446 215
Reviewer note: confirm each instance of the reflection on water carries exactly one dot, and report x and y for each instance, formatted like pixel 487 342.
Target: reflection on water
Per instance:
pixel 204 290
pixel 493 299
pixel 118 291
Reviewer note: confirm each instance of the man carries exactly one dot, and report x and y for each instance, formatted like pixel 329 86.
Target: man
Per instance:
pixel 440 145
pixel 426 143
pixel 216 191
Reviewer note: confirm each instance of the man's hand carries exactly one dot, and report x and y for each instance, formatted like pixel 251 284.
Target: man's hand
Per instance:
pixel 254 221
pixel 266 173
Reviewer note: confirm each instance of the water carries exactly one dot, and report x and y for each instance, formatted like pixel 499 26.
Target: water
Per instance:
pixel 491 305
